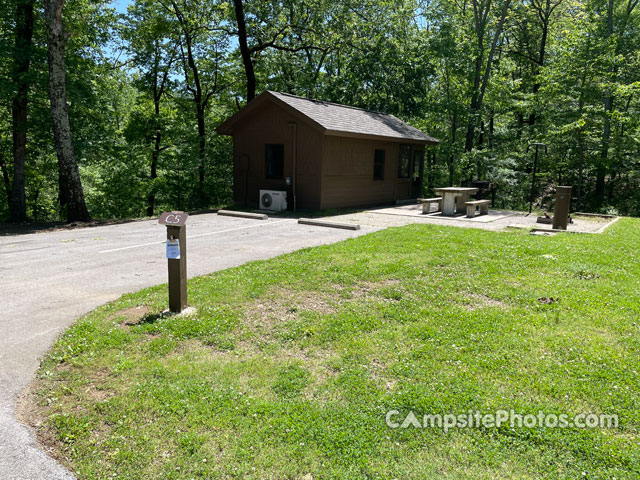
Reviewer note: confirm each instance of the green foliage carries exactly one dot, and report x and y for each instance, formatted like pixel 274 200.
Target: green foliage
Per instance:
pixel 133 96
pixel 291 381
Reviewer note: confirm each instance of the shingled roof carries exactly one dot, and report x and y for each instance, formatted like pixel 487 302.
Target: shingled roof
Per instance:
pixel 336 119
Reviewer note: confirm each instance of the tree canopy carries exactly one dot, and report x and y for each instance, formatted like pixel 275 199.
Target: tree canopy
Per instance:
pixel 145 90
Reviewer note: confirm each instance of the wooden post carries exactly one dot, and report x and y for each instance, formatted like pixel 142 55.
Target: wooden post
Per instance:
pixel 178 270
pixel 176 230
pixel 561 208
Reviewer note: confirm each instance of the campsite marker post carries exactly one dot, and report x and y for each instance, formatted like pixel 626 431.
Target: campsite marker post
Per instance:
pixel 176 258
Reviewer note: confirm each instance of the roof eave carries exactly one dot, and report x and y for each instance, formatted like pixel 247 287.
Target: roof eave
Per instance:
pixel 298 114
pixel 342 133
pixel 226 127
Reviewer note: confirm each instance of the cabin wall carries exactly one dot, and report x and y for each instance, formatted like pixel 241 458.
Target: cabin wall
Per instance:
pixel 347 177
pixel 273 125
pixel 330 171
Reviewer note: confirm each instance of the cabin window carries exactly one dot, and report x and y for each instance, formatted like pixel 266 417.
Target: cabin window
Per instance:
pixel 274 160
pixel 404 161
pixel 417 163
pixel 378 165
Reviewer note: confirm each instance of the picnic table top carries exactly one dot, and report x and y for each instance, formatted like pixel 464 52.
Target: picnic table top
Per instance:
pixel 456 190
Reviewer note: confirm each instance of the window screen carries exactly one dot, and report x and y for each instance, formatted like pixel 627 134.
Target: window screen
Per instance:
pixel 417 163
pixel 274 160
pixel 378 165
pixel 403 163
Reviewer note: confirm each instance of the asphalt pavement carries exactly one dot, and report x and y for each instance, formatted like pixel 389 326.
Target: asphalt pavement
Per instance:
pixel 47 280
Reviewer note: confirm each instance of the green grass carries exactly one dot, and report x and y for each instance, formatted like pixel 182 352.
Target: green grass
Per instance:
pixel 288 366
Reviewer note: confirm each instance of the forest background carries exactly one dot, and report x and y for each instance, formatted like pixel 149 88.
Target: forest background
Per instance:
pixel 109 111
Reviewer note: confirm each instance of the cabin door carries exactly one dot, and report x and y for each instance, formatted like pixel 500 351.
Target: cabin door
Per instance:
pixel 243 180
pixel 417 172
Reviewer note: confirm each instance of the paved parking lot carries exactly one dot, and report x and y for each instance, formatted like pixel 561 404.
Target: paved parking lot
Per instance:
pixel 49 279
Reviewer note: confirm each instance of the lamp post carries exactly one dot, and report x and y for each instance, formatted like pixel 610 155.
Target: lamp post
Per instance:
pixel 535 168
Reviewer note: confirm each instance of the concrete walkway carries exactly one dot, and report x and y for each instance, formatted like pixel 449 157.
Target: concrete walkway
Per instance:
pixel 47 280
pixel 496 220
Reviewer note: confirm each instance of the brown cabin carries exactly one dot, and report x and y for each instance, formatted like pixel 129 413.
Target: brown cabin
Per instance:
pixel 324 155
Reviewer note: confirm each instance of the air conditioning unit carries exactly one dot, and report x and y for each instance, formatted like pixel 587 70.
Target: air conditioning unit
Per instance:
pixel 273 200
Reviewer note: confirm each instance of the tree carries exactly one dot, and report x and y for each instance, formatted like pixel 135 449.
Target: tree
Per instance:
pixel 201 46
pixel 286 27
pixel 71 195
pixel 22 60
pixel 482 73
pixel 543 9
pixel 614 48
pixel 152 50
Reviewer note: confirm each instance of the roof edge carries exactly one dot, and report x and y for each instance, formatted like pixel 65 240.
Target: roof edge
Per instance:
pixel 226 127
pixel 295 112
pixel 342 133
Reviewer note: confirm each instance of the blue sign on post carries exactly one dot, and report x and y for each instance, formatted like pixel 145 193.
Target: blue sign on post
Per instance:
pixel 173 249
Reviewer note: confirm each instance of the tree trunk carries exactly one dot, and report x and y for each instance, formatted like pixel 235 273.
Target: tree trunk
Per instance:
pixel 159 87
pixel 601 171
pixel 581 149
pixel 491 129
pixel 541 55
pixel 580 172
pixel 473 106
pixel 544 14
pixel 477 96
pixel 71 195
pixel 429 172
pixel 7 182
pixel 22 59
pixel 201 145
pixel 200 100
pixel 244 50
pixel 155 155
pixel 454 129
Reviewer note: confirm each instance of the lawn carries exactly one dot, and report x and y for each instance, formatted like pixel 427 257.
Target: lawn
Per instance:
pixel 288 367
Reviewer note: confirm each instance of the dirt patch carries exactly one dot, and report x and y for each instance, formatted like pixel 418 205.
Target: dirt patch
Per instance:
pixel 548 300
pixel 29 411
pixel 64 367
pixel 34 409
pixel 33 413
pixel 95 394
pixel 280 305
pixel 283 305
pixel 375 289
pixel 130 316
pixel 584 275
pixel 475 301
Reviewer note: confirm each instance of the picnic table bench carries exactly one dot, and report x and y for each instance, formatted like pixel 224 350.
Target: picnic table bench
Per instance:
pixel 482 204
pixel 454 199
pixel 426 204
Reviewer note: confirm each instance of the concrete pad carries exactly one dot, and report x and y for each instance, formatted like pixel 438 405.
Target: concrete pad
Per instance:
pixel 416 211
pixel 327 223
pixel 496 220
pixel 233 213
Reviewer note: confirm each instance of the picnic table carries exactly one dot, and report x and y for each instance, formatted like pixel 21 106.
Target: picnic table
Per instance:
pixel 454 198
